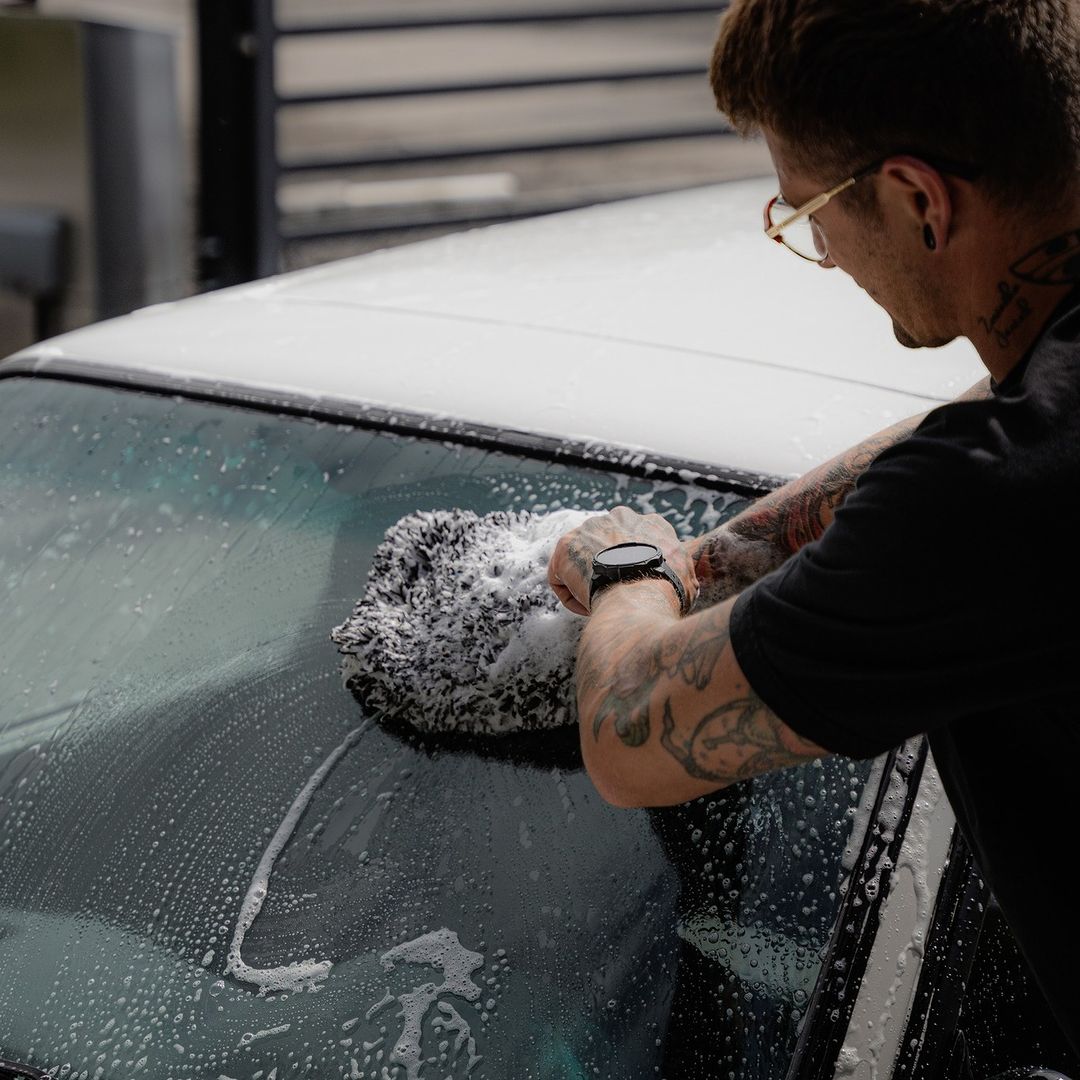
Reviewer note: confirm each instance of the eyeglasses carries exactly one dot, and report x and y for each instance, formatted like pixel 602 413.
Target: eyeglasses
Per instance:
pixel 793 227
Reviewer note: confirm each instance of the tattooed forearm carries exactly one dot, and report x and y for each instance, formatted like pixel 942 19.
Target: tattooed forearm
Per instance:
pixel 616 675
pixel 801 511
pixel 766 535
pixel 737 741
pixel 620 667
pixel 641 668
pixel 726 563
pixel 621 663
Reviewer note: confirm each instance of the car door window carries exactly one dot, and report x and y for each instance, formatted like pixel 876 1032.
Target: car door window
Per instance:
pixel 179 760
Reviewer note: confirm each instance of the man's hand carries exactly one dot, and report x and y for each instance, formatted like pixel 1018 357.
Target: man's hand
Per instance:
pixel 666 712
pixel 570 568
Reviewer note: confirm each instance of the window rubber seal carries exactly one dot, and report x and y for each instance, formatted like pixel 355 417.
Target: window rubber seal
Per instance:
pixel 948 956
pixel 14 1070
pixel 825 1024
pixel 592 454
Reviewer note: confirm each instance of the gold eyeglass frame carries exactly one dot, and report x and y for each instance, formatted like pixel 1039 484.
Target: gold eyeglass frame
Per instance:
pixel 774 232
pixel 811 206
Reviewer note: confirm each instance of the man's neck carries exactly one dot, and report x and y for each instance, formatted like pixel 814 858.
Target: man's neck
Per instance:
pixel 1011 306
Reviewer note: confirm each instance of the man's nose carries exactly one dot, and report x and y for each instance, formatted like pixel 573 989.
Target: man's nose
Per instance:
pixel 827 263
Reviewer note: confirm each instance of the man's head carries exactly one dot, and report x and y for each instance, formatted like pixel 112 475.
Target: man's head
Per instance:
pixel 836 85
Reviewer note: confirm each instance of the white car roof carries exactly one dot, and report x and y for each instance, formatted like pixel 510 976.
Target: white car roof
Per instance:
pixel 667 324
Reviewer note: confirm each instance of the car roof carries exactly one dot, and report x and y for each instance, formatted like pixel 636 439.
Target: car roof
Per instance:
pixel 666 324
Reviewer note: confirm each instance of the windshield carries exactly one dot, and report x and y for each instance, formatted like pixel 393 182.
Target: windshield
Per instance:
pixel 214 864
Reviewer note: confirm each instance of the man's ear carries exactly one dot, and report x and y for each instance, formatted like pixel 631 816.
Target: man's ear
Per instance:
pixel 917 191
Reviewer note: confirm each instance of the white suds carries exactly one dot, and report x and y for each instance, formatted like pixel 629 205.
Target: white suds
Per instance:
pixel 299 975
pixel 249 1037
pixel 441 950
pixel 458 629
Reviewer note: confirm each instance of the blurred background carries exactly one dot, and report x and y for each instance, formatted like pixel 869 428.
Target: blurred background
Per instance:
pixel 151 149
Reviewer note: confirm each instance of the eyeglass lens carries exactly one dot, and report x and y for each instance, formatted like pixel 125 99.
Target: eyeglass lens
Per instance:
pixel 803 236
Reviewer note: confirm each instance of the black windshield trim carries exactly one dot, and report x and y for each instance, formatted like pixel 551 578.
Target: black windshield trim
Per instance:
pixel 839 983
pixel 595 455
pixel 14 1070
pixel 948 956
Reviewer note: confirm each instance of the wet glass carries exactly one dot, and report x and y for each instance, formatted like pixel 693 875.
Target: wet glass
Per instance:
pixel 1005 1018
pixel 213 863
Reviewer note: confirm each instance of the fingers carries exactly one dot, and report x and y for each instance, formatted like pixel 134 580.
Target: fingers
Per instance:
pixel 568 600
pixel 560 570
pixel 569 569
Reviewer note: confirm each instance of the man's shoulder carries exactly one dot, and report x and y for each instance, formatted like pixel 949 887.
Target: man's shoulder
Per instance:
pixel 1016 442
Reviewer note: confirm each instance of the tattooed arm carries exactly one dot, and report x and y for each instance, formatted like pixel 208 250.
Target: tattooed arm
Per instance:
pixel 665 711
pixel 666 714
pixel 766 535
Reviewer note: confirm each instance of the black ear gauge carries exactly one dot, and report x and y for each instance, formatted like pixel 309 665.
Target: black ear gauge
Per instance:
pixel 929 238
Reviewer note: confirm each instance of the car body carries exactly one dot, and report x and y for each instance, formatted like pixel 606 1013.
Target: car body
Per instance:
pixel 215 864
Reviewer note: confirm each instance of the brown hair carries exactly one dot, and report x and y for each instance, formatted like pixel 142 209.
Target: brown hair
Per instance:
pixel 992 83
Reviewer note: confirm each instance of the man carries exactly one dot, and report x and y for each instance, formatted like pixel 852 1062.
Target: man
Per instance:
pixel 929 579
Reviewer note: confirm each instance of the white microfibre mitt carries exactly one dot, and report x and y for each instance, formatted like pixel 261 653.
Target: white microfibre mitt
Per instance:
pixel 458 629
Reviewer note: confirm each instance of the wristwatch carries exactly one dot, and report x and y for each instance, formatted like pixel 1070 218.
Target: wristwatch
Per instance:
pixel 633 561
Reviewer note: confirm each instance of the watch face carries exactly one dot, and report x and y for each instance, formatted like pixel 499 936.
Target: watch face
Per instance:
pixel 623 555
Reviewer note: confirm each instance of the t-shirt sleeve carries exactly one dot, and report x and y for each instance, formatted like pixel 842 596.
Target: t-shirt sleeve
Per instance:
pixel 891 623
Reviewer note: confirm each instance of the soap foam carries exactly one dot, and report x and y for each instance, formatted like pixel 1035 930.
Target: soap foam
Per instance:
pixel 298 975
pixel 442 950
pixel 458 629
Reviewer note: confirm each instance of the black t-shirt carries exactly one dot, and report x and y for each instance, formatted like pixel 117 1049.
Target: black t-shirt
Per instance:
pixel 945 599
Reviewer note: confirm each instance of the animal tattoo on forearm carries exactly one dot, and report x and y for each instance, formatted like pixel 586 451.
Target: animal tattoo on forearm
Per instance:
pixel 734 741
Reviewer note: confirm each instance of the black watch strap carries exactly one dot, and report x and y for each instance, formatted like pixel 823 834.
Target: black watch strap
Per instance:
pixel 663 572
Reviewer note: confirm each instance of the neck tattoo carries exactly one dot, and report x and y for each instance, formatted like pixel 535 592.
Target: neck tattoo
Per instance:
pixel 1008 297
pixel 1053 263
pixel 1057 262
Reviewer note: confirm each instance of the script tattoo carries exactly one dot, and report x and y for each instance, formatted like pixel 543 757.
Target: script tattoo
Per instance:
pixel 1054 262
pixel 1009 296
